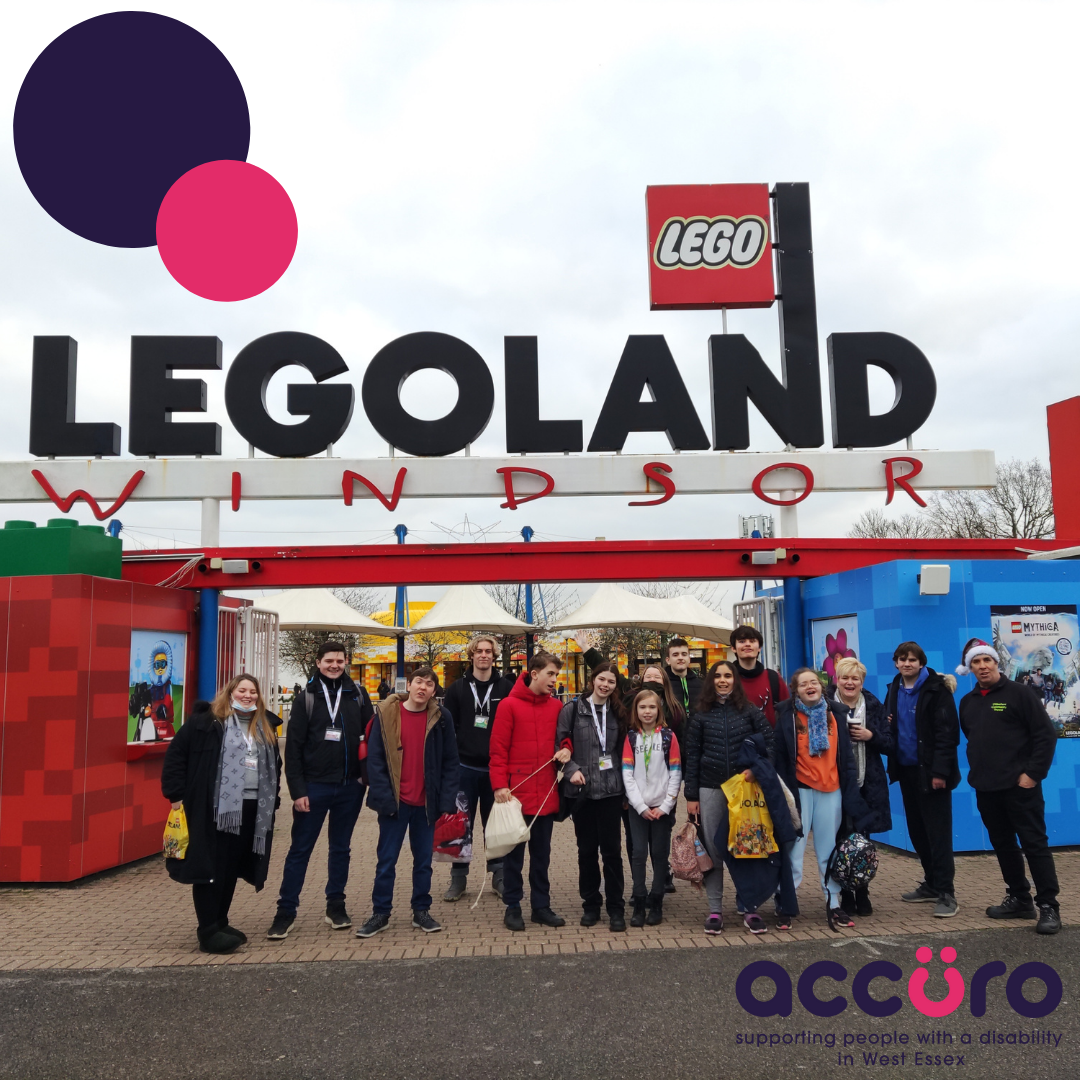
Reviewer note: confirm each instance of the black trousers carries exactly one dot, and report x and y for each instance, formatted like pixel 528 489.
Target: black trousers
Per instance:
pixel 652 840
pixel 1020 812
pixel 929 822
pixel 213 900
pixel 598 825
pixel 539 844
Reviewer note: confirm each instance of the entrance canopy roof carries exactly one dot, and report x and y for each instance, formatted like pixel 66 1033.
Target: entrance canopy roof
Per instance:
pixel 320 609
pixel 468 607
pixel 612 605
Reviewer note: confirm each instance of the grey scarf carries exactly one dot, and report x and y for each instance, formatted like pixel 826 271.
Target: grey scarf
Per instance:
pixel 229 810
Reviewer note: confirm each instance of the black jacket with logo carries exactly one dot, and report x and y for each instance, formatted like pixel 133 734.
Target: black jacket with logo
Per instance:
pixel 309 755
pixel 1008 733
pixel 474 742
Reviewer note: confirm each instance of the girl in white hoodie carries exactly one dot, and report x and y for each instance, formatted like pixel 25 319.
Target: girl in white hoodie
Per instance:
pixel 652 774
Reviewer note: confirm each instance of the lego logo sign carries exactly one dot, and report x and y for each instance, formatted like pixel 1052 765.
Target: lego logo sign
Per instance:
pixel 709 246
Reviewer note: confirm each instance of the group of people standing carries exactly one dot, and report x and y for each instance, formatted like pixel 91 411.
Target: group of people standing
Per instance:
pixel 614 760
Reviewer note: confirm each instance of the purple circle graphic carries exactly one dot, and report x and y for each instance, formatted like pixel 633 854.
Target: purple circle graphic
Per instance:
pixel 114 111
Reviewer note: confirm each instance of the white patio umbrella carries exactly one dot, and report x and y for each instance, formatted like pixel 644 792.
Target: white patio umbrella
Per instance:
pixel 689 617
pixel 468 607
pixel 612 605
pixel 320 609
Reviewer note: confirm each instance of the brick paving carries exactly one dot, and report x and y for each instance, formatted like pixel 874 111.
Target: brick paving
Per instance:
pixel 138 917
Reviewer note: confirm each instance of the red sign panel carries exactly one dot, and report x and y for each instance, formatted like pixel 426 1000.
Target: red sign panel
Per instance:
pixel 710 246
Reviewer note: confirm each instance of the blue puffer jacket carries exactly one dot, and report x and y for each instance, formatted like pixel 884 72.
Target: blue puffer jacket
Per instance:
pixel 875 785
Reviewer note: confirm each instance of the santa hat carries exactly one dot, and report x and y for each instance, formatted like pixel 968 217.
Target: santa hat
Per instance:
pixel 976 647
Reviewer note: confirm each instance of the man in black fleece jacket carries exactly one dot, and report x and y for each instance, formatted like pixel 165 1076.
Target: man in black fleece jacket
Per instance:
pixel 471 701
pixel 1011 743
pixel 322 768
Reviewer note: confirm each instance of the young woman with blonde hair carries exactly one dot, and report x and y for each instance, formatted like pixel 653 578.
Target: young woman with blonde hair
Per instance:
pixel 223 768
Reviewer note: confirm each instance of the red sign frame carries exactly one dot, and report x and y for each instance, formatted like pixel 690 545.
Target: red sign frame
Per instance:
pixel 710 246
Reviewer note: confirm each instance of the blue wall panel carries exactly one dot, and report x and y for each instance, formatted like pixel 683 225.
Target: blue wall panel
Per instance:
pixel 890 610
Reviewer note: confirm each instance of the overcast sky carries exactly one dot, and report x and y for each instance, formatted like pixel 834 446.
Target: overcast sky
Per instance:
pixel 480 169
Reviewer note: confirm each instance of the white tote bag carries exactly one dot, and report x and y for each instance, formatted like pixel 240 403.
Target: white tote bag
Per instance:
pixel 506 829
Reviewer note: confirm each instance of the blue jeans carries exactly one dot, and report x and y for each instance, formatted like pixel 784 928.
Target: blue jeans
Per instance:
pixel 342 802
pixel 476 784
pixel 821 814
pixel 392 829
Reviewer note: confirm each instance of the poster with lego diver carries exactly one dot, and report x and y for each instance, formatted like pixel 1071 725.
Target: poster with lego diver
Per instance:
pixel 1037 646
pixel 156 685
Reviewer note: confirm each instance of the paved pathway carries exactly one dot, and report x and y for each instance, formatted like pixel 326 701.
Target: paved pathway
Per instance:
pixel 138 917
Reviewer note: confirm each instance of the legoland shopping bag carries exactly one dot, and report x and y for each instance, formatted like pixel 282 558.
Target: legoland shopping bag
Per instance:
pixel 750 827
pixel 175 842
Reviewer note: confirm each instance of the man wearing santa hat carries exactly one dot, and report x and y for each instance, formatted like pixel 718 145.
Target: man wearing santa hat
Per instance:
pixel 1011 743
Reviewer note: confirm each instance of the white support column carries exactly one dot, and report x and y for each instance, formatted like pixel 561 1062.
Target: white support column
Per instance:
pixel 789 515
pixel 210 537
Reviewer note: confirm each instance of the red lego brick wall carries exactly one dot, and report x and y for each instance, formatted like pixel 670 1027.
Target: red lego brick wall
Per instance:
pixel 71 803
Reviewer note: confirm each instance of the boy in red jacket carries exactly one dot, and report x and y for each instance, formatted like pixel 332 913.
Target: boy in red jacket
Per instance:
pixel 523 743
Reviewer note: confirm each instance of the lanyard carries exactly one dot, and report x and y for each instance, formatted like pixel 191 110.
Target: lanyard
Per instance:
pixel 249 739
pixel 647 748
pixel 332 709
pixel 685 693
pixel 601 732
pixel 482 706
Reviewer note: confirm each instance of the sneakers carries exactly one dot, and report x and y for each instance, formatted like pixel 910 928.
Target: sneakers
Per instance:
pixel 590 918
pixel 1049 920
pixel 456 890
pixel 1013 907
pixel 422 920
pixel 946 907
pixel 280 927
pixel 921 894
pixel 783 922
pixel 338 917
pixel 512 920
pixel 839 917
pixel 754 923
pixel 546 917
pixel 637 920
pixel 714 924
pixel 375 925
pixel 656 911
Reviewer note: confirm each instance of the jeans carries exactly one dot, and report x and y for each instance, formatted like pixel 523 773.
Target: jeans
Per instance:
pixel 929 823
pixel 539 843
pixel 342 802
pixel 598 826
pixel 651 839
pixel 476 784
pixel 713 809
pixel 214 898
pixel 392 829
pixel 1020 812
pixel 821 814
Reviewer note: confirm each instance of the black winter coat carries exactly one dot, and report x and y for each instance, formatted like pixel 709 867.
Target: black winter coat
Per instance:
pixel 694 683
pixel 309 756
pixel 785 749
pixel 474 743
pixel 713 741
pixel 189 774
pixel 875 785
pixel 937 727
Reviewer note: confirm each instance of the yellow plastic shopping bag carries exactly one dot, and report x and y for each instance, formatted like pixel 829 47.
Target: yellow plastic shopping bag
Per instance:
pixel 750 827
pixel 176 835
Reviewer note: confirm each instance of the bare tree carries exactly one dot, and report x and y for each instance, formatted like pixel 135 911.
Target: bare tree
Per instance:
pixel 1019 506
pixel 433 647
pixel 558 600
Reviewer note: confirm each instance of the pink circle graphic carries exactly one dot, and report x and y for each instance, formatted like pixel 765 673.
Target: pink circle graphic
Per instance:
pixel 226 230
pixel 948 954
pixel 924 954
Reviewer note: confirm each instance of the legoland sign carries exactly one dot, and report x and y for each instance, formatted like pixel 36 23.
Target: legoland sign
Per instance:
pixel 709 246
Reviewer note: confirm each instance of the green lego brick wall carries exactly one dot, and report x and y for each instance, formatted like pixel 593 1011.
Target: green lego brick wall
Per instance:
pixel 61 547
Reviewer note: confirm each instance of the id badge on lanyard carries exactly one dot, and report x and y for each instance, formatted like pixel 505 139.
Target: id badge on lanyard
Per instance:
pixel 482 718
pixel 332 734
pixel 251 759
pixel 605 761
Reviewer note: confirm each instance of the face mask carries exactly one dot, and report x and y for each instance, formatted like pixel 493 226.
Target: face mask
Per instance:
pixel 237 707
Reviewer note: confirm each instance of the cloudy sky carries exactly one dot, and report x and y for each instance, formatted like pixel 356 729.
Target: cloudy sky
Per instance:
pixel 480 169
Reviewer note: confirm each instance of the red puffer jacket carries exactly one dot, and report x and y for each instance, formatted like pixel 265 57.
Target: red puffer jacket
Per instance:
pixel 522 740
